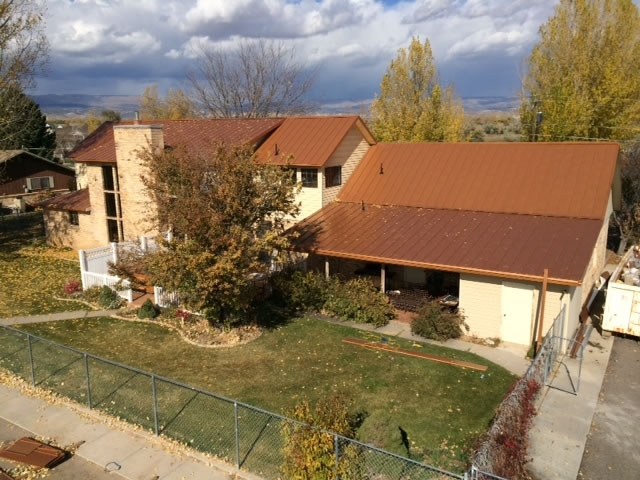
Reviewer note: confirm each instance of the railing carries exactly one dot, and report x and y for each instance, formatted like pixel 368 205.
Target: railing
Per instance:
pixel 165 299
pixel 121 287
pixel 249 437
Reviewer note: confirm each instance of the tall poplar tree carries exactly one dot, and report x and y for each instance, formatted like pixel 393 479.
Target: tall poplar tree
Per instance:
pixel 584 73
pixel 413 106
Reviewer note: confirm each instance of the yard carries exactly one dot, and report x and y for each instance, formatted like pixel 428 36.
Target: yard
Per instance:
pixel 30 273
pixel 443 409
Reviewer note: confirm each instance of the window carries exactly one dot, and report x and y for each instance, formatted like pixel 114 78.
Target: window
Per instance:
pixel 39 183
pixel 110 204
pixel 334 176
pixel 310 177
pixel 112 229
pixel 73 218
pixel 107 178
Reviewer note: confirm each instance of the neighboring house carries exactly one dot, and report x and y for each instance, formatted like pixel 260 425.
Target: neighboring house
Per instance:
pixel 326 149
pixel 479 221
pixel 25 175
pixel 322 152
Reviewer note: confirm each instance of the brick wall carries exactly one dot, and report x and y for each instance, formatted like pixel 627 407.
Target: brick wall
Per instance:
pixel 61 233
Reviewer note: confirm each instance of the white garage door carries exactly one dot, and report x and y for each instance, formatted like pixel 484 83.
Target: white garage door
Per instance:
pixel 517 305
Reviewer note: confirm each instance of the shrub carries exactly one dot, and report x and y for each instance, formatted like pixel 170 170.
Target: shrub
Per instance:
pixel 147 310
pixel 360 301
pixel 71 287
pixel 436 322
pixel 303 291
pixel 309 453
pixel 108 298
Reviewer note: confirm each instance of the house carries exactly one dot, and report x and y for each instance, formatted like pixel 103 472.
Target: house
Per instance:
pixel 114 206
pixel 481 221
pixel 25 176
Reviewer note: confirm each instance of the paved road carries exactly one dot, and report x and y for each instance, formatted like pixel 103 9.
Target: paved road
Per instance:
pixel 613 448
pixel 73 469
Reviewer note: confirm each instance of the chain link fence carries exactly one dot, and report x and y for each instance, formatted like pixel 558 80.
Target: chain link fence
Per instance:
pixel 248 437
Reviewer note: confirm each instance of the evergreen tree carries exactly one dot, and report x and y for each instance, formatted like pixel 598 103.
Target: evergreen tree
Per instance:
pixel 22 124
pixel 412 106
pixel 584 73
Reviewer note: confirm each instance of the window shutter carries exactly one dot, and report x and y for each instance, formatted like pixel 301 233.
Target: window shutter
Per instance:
pixel 51 185
pixel 29 184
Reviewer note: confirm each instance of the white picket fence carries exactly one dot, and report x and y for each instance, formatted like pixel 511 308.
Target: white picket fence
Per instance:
pixel 165 299
pixel 121 287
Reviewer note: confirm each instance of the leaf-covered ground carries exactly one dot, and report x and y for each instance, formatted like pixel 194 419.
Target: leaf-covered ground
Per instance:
pixel 31 274
pixel 442 408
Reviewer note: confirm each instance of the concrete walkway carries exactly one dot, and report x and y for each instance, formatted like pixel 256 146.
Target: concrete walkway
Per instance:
pixel 559 433
pixel 52 317
pixel 127 453
pixel 510 357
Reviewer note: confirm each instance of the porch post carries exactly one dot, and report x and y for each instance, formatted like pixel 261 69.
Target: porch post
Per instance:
pixel 383 277
pixel 542 303
pixel 326 267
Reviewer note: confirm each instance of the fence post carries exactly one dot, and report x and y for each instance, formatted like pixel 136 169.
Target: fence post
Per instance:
pixel 86 371
pixel 33 375
pixel 83 267
pixel 114 252
pixel 143 243
pixel 336 451
pixel 155 403
pixel 235 415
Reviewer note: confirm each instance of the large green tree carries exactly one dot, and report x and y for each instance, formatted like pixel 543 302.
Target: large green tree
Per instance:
pixel 27 126
pixel 412 105
pixel 584 73
pixel 228 215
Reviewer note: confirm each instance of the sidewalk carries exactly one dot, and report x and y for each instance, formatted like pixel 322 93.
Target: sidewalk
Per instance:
pixel 559 433
pixel 52 317
pixel 128 453
pixel 510 357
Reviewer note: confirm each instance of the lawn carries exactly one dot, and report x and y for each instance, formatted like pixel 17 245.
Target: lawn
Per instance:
pixel 31 274
pixel 442 408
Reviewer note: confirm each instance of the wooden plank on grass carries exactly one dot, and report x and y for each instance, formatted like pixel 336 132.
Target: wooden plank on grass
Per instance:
pixel 410 353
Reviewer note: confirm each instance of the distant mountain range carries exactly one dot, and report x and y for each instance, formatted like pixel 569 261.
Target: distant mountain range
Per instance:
pixel 71 105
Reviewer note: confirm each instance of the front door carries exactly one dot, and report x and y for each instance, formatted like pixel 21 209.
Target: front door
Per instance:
pixel 517 306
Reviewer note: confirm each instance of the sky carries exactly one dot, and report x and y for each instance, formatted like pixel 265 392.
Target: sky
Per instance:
pixel 119 46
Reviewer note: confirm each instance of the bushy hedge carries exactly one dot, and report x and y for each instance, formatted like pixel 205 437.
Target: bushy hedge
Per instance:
pixel 436 322
pixel 147 310
pixel 108 298
pixel 357 300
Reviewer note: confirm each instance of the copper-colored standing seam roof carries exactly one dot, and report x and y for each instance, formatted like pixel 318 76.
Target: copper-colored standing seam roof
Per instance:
pixel 308 141
pixel 77 201
pixel 197 133
pixel 554 179
pixel 496 244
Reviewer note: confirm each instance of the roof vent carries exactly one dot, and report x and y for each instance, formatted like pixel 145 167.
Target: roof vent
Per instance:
pixel 277 151
pixel 381 169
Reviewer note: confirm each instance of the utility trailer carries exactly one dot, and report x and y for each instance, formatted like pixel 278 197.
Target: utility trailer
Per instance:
pixel 622 308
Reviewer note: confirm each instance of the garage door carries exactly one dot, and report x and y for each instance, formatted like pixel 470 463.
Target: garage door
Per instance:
pixel 517 305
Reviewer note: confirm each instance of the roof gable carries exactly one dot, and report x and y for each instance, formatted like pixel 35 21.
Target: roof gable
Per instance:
pixel 7 155
pixel 550 179
pixel 309 141
pixel 77 201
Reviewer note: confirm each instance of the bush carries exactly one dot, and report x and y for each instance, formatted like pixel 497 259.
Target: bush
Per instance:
pixel 147 310
pixel 436 322
pixel 71 287
pixel 301 290
pixel 358 300
pixel 108 298
pixel 309 453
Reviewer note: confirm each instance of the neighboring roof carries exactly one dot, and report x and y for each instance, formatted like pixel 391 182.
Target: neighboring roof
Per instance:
pixel 568 179
pixel 77 201
pixel 6 155
pixel 197 133
pixel 309 141
pixel 496 244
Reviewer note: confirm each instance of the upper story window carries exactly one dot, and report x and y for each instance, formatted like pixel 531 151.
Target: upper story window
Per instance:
pixel 39 183
pixel 309 177
pixel 333 176
pixel 108 178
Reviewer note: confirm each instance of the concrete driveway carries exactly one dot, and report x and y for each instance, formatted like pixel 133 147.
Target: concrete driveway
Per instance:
pixel 612 449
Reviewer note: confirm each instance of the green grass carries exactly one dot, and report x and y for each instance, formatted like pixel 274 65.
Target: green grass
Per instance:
pixel 30 276
pixel 442 408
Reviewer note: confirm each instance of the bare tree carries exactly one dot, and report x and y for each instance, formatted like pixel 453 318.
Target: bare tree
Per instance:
pixel 257 78
pixel 23 45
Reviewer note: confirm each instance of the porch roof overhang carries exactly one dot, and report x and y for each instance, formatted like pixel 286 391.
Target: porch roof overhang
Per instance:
pixel 518 247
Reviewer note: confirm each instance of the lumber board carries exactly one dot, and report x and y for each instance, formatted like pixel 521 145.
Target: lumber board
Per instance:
pixel 410 353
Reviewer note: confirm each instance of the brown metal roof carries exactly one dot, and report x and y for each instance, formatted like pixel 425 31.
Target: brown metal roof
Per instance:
pixel 32 452
pixel 554 179
pixel 308 141
pixel 197 133
pixel 497 244
pixel 77 201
